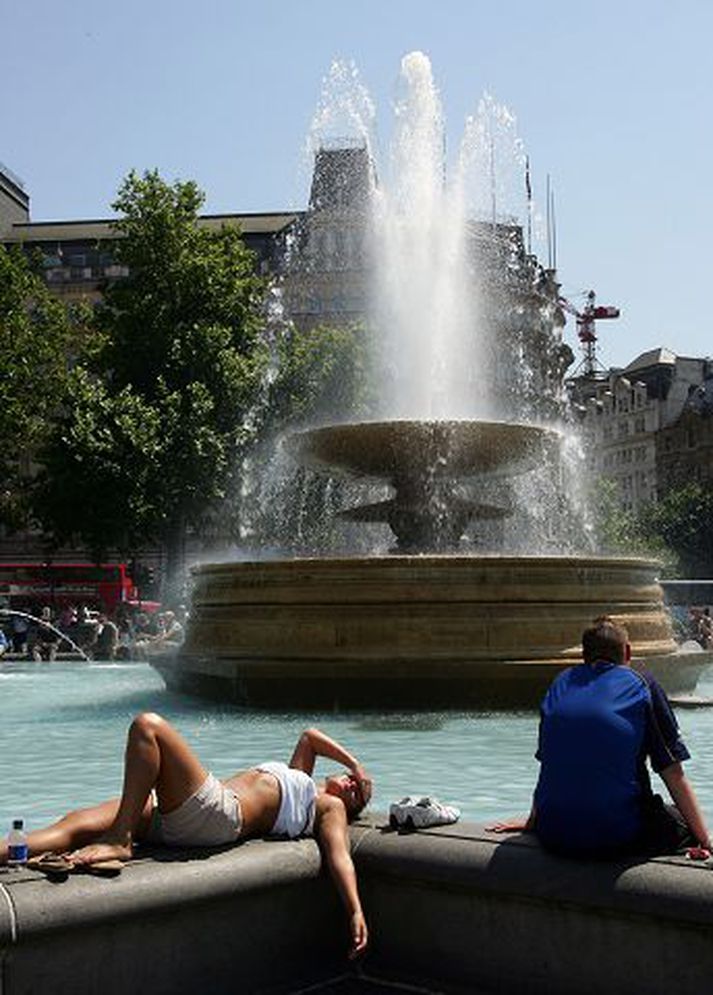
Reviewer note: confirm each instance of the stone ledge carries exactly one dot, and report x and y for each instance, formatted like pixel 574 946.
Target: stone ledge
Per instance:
pixel 467 857
pixel 455 907
pixel 174 922
pixel 473 910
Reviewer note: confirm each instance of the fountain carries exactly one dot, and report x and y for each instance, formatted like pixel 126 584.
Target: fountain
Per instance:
pixel 64 638
pixel 423 462
pixel 447 617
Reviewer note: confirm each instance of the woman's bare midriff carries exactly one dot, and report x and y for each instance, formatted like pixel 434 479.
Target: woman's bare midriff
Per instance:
pixel 259 795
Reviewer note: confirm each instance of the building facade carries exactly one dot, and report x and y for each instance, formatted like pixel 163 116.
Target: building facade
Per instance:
pixel 629 421
pixel 14 201
pixel 684 451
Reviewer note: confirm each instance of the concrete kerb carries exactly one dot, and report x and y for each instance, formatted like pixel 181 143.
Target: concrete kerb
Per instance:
pixel 462 906
pixel 455 906
pixel 178 922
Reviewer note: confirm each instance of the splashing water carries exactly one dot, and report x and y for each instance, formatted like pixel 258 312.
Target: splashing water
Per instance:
pixel 422 294
pixel 345 114
pixel 447 259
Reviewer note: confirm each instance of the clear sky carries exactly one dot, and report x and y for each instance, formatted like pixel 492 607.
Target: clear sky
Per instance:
pixel 612 98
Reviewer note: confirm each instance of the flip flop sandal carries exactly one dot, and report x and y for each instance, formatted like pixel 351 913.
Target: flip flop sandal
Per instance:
pixel 57 865
pixel 101 869
pixel 51 864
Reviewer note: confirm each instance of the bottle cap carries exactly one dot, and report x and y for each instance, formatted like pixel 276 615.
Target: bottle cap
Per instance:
pixel 18 823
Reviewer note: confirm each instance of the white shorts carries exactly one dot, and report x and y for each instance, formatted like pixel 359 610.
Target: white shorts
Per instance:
pixel 210 817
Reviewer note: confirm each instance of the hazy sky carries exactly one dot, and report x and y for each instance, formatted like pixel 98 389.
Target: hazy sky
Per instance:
pixel 612 100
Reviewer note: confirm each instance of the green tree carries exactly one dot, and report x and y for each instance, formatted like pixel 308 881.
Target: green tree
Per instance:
pixel 682 521
pixel 318 375
pixel 156 420
pixel 626 532
pixel 97 480
pixel 37 335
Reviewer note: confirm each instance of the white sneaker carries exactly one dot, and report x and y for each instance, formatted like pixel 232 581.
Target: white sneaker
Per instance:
pixel 399 810
pixel 430 812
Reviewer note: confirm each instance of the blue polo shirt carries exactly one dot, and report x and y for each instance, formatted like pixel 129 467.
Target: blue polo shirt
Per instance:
pixel 598 724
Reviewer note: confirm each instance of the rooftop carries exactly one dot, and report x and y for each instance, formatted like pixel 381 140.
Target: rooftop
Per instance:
pixel 53 231
pixel 653 357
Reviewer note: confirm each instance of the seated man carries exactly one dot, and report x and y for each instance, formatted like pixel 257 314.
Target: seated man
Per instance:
pixel 172 631
pixel 87 630
pixel 599 722
pixel 107 638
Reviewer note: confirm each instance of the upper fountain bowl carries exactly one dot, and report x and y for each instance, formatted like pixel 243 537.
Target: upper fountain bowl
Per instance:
pixel 394 450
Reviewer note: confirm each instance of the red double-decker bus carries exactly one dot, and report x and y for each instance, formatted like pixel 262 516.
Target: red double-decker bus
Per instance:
pixel 101 586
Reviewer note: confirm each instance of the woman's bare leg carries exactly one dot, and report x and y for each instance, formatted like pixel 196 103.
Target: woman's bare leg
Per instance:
pixel 157 757
pixel 72 830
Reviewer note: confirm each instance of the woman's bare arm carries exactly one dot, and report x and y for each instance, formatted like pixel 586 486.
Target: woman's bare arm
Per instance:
pixel 334 842
pixel 314 743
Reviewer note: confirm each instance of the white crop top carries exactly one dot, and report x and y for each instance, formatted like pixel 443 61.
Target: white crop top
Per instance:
pixel 297 800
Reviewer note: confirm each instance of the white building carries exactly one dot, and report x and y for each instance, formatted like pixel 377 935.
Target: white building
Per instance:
pixel 622 413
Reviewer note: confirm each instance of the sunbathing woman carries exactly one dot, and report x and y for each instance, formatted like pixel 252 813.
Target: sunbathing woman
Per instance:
pixel 168 797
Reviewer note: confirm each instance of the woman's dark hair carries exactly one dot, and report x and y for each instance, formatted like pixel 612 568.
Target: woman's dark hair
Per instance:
pixel 605 639
pixel 354 810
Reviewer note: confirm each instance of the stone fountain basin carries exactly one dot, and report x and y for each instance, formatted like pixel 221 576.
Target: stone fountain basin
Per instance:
pixel 397 450
pixel 412 631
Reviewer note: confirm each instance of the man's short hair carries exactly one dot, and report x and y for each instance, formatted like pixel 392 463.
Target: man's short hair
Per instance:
pixel 605 639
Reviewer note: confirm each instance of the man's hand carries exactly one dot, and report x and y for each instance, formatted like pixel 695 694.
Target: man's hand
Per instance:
pixel 519 825
pixel 698 853
pixel 360 935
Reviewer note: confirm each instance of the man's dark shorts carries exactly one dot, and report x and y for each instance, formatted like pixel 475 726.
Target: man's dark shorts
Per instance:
pixel 664 832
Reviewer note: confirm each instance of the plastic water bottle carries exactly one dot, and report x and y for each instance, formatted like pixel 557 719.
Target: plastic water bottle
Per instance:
pixel 17 844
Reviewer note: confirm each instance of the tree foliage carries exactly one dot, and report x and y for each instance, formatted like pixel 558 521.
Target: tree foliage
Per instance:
pixel 190 309
pixel 682 521
pixel 319 374
pixel 37 335
pixel 617 530
pixel 155 419
pixel 674 529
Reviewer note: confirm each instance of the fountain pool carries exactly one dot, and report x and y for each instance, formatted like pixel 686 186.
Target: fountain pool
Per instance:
pixel 62 737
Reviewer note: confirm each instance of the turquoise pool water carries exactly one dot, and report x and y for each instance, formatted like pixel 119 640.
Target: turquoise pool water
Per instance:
pixel 62 730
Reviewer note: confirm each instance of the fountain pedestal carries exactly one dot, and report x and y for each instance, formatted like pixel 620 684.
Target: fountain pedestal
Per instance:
pixel 427 463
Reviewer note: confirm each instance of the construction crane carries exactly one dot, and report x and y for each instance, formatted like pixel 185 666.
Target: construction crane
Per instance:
pixel 586 331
